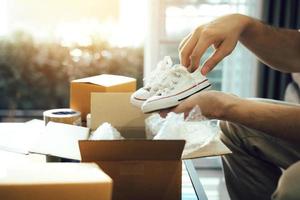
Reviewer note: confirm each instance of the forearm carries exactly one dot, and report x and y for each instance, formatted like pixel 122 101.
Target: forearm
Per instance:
pixel 278 48
pixel 277 120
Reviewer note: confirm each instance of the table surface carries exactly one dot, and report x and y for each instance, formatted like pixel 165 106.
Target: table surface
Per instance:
pixel 190 179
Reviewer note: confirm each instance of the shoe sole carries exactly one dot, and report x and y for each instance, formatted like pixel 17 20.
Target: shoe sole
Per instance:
pixel 174 100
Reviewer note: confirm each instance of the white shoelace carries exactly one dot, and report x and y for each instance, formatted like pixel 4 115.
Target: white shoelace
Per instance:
pixel 162 66
pixel 169 80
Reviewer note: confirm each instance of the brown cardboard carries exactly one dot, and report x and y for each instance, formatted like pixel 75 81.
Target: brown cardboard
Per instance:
pixel 116 109
pixel 52 181
pixel 81 89
pixel 140 169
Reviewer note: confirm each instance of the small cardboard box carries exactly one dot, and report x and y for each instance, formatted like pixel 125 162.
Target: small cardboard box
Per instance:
pixel 140 169
pixel 115 108
pixel 52 181
pixel 80 90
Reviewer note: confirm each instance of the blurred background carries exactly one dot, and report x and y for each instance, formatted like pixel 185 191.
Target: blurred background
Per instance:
pixel 46 44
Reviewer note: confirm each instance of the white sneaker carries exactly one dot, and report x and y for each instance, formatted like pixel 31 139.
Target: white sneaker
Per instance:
pixel 176 85
pixel 151 87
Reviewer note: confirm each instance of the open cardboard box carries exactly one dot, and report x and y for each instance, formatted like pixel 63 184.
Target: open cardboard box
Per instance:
pixel 141 168
pixel 116 109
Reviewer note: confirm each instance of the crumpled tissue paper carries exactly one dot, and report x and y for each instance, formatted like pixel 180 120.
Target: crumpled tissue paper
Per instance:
pixel 106 132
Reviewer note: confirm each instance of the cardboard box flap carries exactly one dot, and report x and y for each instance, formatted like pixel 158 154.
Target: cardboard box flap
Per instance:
pixel 213 148
pixel 60 140
pixel 132 132
pixel 106 80
pixel 111 150
pixel 115 108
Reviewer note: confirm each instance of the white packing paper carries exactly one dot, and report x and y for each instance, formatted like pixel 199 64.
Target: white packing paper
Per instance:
pixel 106 132
pixel 196 130
pixel 61 140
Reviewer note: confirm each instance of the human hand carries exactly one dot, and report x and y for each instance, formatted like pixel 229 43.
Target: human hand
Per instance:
pixel 223 33
pixel 213 104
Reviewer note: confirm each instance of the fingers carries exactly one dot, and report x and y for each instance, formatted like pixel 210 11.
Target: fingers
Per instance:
pixel 182 43
pixel 182 108
pixel 164 113
pixel 198 52
pixel 193 47
pixel 224 50
pixel 179 109
pixel 186 49
pixel 217 45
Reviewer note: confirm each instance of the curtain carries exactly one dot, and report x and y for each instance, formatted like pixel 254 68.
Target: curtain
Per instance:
pixel 285 14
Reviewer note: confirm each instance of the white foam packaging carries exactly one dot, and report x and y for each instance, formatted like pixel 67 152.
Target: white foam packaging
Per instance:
pixel 106 132
pixel 196 130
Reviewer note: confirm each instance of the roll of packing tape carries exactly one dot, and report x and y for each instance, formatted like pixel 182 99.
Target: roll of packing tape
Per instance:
pixel 63 115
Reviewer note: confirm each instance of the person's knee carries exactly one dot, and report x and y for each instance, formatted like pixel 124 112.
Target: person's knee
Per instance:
pixel 289 184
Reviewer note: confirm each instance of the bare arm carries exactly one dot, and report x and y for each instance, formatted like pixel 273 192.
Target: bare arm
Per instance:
pixel 278 48
pixel 277 120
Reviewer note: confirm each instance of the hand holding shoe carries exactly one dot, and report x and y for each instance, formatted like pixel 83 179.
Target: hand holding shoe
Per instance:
pixel 213 104
pixel 223 33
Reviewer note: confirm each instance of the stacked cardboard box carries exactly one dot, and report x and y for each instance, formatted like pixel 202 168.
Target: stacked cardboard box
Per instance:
pixel 81 89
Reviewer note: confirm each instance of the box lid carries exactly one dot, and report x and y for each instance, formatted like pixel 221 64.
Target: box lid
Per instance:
pixel 132 149
pixel 115 108
pixel 60 140
pixel 105 80
pixel 213 148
